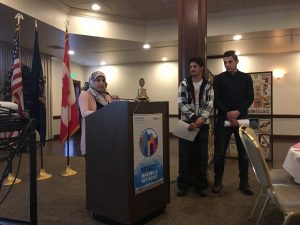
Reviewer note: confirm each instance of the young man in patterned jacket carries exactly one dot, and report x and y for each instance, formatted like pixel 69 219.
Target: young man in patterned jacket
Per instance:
pixel 195 101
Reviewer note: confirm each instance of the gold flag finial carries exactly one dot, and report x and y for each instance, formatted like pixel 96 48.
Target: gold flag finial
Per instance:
pixel 67 22
pixel 19 17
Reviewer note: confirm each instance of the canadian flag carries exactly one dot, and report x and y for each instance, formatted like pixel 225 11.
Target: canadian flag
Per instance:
pixel 69 114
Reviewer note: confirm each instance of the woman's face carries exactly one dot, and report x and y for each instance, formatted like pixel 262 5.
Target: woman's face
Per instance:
pixel 99 83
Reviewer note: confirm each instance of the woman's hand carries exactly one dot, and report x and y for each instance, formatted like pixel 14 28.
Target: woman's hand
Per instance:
pixel 115 97
pixel 109 98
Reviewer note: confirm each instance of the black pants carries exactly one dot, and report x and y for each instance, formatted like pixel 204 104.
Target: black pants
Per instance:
pixel 222 135
pixel 196 152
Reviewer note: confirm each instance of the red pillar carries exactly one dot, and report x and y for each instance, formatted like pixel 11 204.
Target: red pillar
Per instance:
pixel 192 33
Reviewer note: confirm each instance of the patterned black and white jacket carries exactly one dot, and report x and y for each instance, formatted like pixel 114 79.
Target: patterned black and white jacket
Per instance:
pixel 186 100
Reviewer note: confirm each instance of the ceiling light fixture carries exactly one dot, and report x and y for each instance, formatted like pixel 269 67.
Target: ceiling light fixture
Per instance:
pixel 102 63
pixel 96 7
pixel 237 37
pixel 146 46
pixel 164 59
pixel 71 52
pixel 237 53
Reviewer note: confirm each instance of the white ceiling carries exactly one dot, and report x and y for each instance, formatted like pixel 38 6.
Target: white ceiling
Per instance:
pixel 91 50
pixel 149 10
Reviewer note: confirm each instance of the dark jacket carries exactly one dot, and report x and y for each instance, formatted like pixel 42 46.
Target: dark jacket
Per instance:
pixel 233 92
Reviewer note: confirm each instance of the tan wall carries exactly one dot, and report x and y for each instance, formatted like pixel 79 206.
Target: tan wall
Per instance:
pixel 162 84
pixel 160 81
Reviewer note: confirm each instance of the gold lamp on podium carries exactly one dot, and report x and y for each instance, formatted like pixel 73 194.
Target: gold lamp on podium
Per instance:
pixel 142 94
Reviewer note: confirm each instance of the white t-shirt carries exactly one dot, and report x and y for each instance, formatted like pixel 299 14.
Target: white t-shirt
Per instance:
pixel 196 92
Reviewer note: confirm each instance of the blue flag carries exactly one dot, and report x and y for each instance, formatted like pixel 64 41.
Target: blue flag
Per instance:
pixel 37 108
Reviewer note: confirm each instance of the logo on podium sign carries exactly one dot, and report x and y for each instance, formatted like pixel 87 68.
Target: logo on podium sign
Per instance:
pixel 148 142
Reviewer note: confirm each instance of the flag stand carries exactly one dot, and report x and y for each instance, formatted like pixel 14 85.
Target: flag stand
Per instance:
pixel 43 175
pixel 69 171
pixel 68 103
pixel 11 179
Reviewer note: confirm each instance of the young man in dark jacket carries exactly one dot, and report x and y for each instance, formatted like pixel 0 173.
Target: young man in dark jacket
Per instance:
pixel 233 96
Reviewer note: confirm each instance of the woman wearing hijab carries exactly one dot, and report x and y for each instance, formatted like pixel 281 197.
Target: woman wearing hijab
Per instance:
pixel 91 100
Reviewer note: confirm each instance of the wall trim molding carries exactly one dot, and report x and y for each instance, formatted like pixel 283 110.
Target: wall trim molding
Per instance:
pixel 286 136
pixel 286 116
pixel 289 116
pixel 56 137
pixel 275 136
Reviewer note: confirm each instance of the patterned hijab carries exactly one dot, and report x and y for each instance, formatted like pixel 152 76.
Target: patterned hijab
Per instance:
pixel 100 96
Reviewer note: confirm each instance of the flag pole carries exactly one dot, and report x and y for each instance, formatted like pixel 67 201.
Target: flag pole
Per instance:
pixel 68 143
pixel 11 178
pixel 43 175
pixel 68 149
pixel 69 171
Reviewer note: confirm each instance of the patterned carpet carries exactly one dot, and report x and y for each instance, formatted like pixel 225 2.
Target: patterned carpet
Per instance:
pixel 61 200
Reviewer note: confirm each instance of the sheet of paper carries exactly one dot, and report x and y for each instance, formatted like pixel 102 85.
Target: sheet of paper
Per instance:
pixel 241 122
pixel 183 132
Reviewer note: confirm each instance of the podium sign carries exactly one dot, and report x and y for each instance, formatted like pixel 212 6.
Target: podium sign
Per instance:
pixel 148 151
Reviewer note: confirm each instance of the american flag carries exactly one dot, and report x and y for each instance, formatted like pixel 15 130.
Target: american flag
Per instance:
pixel 16 79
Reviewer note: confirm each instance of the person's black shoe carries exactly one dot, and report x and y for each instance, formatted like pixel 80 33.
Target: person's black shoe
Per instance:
pixel 181 192
pixel 246 189
pixel 217 187
pixel 201 192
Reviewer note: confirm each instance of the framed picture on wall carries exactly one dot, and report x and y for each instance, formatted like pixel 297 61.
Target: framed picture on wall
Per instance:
pixel 262 87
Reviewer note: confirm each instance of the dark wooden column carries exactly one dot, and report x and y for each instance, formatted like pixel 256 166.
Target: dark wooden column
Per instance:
pixel 192 33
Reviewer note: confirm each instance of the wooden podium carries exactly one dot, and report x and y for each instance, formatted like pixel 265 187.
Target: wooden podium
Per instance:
pixel 110 190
